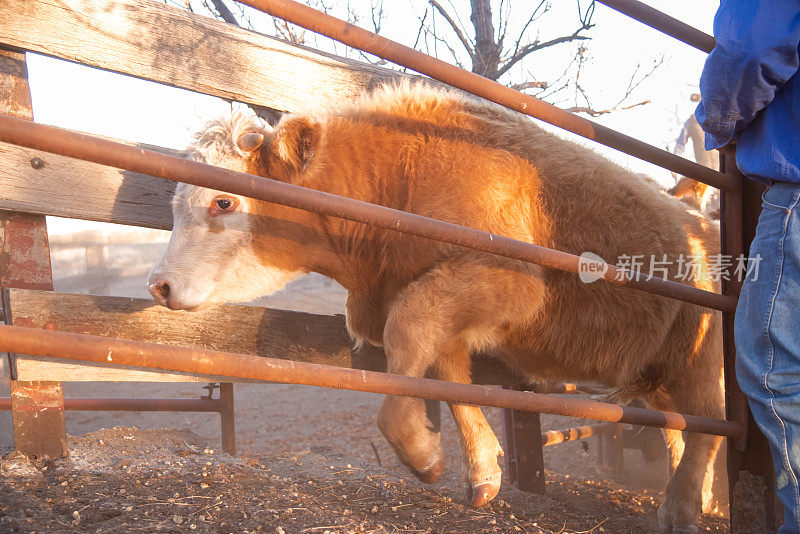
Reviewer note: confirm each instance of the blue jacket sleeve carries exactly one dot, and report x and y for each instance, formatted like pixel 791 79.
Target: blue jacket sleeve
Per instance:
pixel 756 53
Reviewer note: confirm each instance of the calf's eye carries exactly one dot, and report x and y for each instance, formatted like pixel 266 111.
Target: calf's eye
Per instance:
pixel 223 204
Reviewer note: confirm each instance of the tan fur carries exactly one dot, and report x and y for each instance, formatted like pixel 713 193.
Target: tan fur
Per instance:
pixel 697 195
pixel 448 157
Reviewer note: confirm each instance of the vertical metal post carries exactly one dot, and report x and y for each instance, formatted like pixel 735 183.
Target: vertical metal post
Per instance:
pixel 751 477
pixel 613 449
pixel 227 419
pixel 37 407
pixel 509 445
pixel 524 452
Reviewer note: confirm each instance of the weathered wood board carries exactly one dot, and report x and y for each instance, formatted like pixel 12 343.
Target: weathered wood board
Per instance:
pixel 37 408
pixel 77 189
pixel 169 45
pixel 151 40
pixel 321 339
pixel 148 39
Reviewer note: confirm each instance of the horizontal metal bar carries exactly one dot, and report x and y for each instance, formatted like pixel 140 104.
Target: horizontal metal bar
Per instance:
pixel 663 23
pixel 209 362
pixel 115 404
pixel 356 37
pixel 106 152
pixel 554 437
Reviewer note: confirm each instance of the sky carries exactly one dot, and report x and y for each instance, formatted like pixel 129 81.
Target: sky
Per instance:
pixel 99 102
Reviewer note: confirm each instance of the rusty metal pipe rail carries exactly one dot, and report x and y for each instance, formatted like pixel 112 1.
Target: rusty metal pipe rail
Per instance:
pixel 555 437
pixel 209 362
pixel 116 404
pixel 664 23
pixel 86 147
pixel 356 37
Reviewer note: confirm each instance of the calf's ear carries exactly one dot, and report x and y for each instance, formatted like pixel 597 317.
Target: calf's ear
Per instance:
pixel 297 140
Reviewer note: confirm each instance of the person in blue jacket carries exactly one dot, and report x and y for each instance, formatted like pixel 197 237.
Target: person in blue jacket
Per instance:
pixel 750 95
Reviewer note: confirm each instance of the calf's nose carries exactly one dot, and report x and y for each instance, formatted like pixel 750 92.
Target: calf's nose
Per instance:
pixel 160 291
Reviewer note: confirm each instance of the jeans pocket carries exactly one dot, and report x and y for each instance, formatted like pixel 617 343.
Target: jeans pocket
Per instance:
pixel 780 196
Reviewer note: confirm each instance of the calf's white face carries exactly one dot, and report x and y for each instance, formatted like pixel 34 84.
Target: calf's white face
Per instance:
pixel 211 258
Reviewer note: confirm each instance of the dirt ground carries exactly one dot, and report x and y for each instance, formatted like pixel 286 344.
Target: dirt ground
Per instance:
pixel 309 460
pixel 130 480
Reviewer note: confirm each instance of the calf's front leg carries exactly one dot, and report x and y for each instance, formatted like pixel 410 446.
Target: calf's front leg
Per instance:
pixel 698 392
pixel 404 422
pixel 482 475
pixel 433 325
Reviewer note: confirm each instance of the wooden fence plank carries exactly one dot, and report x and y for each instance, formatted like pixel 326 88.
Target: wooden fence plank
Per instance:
pixel 68 187
pixel 265 332
pixel 148 39
pixel 169 45
pixel 37 408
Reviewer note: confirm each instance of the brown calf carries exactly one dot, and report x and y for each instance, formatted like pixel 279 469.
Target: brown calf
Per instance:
pixel 430 305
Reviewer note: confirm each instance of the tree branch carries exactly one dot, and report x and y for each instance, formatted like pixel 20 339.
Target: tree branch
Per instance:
pixel 528 85
pixel 633 83
pixel 597 113
pixel 533 17
pixel 460 34
pixel 377 22
pixel 437 39
pixel 533 47
pixel 419 32
pixel 224 13
pixel 287 32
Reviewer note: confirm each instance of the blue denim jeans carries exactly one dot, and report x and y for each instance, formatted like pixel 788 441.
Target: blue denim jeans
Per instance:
pixel 768 340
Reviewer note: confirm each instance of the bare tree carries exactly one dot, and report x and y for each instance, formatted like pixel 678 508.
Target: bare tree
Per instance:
pixel 489 54
pixel 495 52
pixel 497 43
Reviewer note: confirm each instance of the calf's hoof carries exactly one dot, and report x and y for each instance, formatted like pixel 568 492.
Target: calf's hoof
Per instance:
pixel 482 475
pixel 432 474
pixel 678 516
pixel 480 494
